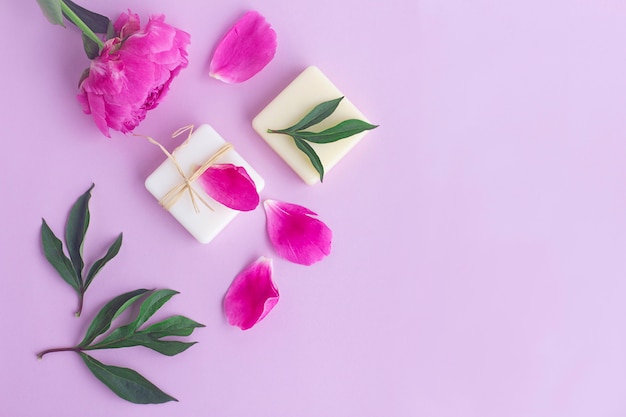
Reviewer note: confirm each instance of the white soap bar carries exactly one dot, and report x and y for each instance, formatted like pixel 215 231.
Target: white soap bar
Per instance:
pixel 308 90
pixel 202 145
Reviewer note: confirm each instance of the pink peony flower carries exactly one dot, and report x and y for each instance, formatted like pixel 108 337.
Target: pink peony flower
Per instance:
pixel 296 234
pixel 252 295
pixel 133 72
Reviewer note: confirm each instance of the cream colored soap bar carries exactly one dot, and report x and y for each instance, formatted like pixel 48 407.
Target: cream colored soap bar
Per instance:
pixel 202 145
pixel 308 90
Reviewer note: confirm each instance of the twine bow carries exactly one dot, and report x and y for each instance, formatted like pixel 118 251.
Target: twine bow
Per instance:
pixel 173 195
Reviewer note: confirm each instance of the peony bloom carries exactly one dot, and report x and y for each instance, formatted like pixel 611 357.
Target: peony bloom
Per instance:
pixel 296 234
pixel 244 50
pixel 133 72
pixel 252 295
pixel 231 186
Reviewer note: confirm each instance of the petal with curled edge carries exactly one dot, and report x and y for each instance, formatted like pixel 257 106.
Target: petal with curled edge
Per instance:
pixel 252 295
pixel 231 186
pixel 296 233
pixel 244 50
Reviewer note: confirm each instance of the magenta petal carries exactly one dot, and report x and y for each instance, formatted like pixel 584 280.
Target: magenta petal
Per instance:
pixel 245 49
pixel 252 295
pixel 295 232
pixel 231 186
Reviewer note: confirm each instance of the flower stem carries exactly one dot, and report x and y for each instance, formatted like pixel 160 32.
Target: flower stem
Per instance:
pixel 81 296
pixel 81 25
pixel 66 349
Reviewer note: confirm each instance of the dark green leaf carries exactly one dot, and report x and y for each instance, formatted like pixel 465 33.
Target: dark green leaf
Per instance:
pixel 52 10
pixel 83 76
pixel 100 263
pixel 173 326
pixel 92 50
pixel 111 31
pixel 308 150
pixel 96 22
pixel 315 116
pixel 343 130
pixel 53 249
pixel 150 305
pixel 108 313
pixel 77 224
pixel 126 383
pixel 165 347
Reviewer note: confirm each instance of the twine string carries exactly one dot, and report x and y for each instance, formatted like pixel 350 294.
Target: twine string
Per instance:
pixel 172 196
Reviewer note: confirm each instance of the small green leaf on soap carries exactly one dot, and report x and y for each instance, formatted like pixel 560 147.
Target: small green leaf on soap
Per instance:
pixel 310 153
pixel 317 115
pixel 343 130
pixel 126 383
pixel 321 112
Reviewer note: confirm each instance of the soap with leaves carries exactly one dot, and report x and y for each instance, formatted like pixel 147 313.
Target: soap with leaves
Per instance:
pixel 311 125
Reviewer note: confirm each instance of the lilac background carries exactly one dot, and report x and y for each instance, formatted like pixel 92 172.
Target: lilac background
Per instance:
pixel 478 262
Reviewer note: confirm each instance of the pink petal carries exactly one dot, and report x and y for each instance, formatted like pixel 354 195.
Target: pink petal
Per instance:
pixel 252 295
pixel 231 186
pixel 296 234
pixel 245 49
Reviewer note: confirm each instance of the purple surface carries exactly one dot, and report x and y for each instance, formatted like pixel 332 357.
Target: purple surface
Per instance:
pixel 478 261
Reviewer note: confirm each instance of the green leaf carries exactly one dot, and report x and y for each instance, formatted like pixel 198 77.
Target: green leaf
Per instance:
pixel 315 116
pixel 111 31
pixel 126 383
pixel 53 249
pixel 92 49
pixel 343 130
pixel 173 326
pixel 308 150
pixel 126 336
pixel 150 305
pixel 77 224
pixel 165 347
pixel 100 263
pixel 52 10
pixel 94 21
pixel 108 313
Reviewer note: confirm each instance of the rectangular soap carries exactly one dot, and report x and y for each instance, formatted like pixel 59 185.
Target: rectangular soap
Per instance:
pixel 308 90
pixel 202 145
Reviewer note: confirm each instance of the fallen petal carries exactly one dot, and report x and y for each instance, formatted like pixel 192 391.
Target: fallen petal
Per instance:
pixel 295 232
pixel 231 186
pixel 252 295
pixel 245 49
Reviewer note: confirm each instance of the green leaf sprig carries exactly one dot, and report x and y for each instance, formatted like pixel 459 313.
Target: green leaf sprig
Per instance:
pixel 125 382
pixel 88 22
pixel 319 113
pixel 71 269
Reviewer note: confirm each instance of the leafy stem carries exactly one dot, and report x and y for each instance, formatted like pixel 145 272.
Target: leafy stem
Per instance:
pixel 74 18
pixel 321 112
pixel 71 268
pixel 125 382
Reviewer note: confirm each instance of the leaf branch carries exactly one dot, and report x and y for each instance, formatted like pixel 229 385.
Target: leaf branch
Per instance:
pixel 321 112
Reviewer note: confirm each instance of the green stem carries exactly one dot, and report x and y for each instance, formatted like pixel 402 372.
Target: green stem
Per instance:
pixel 81 25
pixel 284 132
pixel 81 297
pixel 67 349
